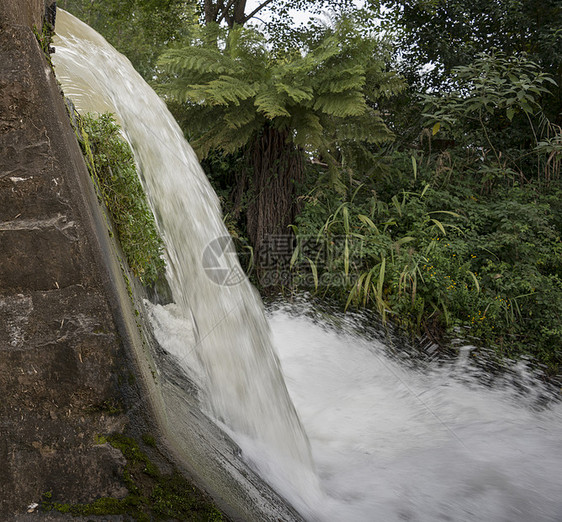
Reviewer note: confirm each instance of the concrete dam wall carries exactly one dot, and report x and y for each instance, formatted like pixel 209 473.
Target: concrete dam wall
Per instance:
pixel 65 321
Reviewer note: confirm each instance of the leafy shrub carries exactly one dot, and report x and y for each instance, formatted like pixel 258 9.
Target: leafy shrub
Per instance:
pixel 111 164
pixel 440 259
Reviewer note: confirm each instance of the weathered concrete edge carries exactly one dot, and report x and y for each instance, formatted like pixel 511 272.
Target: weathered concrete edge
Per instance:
pixel 101 276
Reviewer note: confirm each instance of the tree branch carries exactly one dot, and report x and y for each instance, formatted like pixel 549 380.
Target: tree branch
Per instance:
pixel 257 10
pixel 225 11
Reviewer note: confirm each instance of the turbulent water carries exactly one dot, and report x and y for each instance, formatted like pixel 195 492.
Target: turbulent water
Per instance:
pixel 389 441
pixel 394 441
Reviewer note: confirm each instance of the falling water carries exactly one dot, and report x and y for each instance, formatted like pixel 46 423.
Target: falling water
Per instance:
pixel 231 352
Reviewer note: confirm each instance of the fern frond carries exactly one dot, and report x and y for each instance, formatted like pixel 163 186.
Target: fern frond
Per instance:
pixel 225 138
pixel 270 104
pixel 241 115
pixel 227 89
pixel 368 127
pixel 195 59
pixel 297 94
pixel 309 132
pixel 341 105
pixel 232 85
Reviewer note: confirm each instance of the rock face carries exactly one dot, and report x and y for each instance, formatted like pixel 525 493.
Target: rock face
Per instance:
pixel 62 335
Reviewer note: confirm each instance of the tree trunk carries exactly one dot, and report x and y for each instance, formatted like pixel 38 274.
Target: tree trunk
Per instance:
pixel 210 10
pixel 277 169
pixel 238 15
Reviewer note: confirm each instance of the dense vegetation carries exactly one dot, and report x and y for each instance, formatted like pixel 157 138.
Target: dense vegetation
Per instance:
pixel 411 165
pixel 279 106
pixel 112 167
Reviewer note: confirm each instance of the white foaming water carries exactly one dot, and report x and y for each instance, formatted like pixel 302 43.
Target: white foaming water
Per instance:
pixel 392 443
pixel 239 371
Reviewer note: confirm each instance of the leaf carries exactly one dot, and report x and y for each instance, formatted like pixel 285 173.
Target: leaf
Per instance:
pixel 380 281
pixel 345 213
pixel 355 290
pixel 367 287
pixel 436 128
pixel 268 103
pixel 397 205
pixel 510 113
pixel 314 272
pixel 439 225
pixel 475 281
pixel 450 212
pixel 295 256
pixel 346 257
pixel 405 239
pixel 368 222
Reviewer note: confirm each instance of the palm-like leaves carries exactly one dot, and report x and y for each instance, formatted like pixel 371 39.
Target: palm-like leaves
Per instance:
pixel 231 85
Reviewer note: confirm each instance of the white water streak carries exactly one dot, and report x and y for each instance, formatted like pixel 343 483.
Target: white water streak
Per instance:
pixel 242 377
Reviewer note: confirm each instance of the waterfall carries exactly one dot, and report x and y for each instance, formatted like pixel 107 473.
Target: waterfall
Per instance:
pixel 240 374
pixel 392 439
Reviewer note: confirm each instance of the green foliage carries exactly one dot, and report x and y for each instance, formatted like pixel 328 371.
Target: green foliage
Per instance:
pixel 233 92
pixel 229 86
pixel 491 85
pixel 493 108
pixel 140 29
pixel 451 33
pixel 44 39
pixel 112 167
pixel 433 37
pixel 436 258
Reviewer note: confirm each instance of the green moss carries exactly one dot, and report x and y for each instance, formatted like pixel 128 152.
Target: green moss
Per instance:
pixel 131 450
pixel 109 407
pixel 100 439
pixel 149 440
pixel 44 39
pixel 128 283
pixel 112 167
pixel 173 497
pixel 152 495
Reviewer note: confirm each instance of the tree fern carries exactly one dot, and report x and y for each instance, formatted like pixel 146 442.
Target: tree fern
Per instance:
pixel 234 92
pixel 328 83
